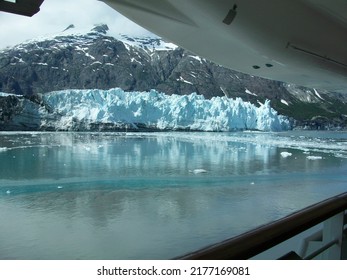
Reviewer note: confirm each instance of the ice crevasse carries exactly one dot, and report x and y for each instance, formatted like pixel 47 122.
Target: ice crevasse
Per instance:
pixel 161 111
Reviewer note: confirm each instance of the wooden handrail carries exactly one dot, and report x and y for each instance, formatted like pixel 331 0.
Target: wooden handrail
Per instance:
pixel 255 241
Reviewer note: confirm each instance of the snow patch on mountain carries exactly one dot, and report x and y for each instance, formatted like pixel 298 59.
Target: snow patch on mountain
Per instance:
pixel 155 110
pixel 284 102
pixel 3 94
pixel 150 43
pixel 317 94
pixel 250 93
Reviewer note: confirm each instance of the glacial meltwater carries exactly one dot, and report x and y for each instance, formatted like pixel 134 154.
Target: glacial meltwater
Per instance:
pixel 155 195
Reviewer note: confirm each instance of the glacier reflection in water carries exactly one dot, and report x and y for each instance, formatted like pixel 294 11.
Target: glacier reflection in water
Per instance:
pixel 155 195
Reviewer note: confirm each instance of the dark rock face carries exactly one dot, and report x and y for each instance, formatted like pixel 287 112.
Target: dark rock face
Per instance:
pixel 95 60
pixel 19 113
pixel 9 106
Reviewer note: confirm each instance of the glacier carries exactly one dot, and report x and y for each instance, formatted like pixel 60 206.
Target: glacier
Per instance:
pixel 154 110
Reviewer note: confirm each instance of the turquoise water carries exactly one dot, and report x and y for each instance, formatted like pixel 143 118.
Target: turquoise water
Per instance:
pixel 155 195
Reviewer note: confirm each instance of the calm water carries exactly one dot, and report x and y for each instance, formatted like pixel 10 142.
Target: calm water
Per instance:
pixel 155 195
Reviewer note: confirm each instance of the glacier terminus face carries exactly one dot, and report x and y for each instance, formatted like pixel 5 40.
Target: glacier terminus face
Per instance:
pixel 62 110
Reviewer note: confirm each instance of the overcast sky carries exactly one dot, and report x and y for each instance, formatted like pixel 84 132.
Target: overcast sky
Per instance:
pixel 56 15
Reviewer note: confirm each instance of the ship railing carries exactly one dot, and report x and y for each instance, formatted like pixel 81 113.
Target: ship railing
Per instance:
pixel 317 231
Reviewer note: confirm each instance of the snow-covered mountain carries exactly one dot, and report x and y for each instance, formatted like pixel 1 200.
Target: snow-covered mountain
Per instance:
pixel 96 58
pixel 72 36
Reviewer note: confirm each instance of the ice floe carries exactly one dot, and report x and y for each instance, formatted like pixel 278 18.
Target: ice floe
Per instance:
pixel 314 157
pixel 286 154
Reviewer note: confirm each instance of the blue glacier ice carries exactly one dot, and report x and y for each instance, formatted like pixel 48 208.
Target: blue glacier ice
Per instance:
pixel 159 111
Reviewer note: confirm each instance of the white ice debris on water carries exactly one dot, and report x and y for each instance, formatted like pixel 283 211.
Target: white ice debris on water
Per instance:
pixel 199 171
pixel 158 110
pixel 286 154
pixel 87 148
pixel 314 157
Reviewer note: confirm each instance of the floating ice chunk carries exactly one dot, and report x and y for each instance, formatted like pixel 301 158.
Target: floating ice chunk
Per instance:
pixel 3 149
pixel 59 187
pixel 8 192
pixel 339 155
pixel 286 154
pixel 199 171
pixel 314 157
